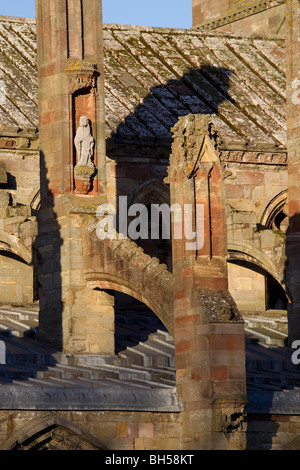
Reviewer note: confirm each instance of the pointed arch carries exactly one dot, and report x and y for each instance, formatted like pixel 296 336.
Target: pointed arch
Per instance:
pixel 11 244
pixel 152 191
pixel 123 266
pixel 252 259
pixel 276 204
pixel 155 196
pixel 245 251
pixel 52 432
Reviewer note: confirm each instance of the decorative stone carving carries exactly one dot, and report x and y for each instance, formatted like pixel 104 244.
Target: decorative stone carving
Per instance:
pixel 85 169
pixel 84 177
pixel 84 143
pixel 82 75
pixel 196 143
pixel 218 306
pixel 242 156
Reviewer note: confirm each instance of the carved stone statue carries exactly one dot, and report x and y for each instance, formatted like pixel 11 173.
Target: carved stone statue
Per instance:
pixel 84 143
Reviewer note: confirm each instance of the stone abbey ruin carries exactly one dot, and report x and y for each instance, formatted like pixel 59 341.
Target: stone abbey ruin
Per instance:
pixel 138 343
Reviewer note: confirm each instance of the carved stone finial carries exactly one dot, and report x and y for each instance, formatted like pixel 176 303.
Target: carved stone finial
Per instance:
pixel 195 141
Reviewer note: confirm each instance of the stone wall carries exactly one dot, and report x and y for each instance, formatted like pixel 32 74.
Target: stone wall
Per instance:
pixel 256 225
pixel 103 430
pixel 270 21
pixel 273 432
pixel 19 201
pixel 92 430
pixel 204 10
pixel 247 288
pixel 240 16
pixel 16 281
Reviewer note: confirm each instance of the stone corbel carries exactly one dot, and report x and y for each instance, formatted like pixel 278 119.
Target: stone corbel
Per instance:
pixel 82 75
pixel 230 416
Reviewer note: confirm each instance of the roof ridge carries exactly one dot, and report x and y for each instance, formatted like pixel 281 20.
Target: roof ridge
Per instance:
pixel 192 32
pixel 16 19
pixel 159 29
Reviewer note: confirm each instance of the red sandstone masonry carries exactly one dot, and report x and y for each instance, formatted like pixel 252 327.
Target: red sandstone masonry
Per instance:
pixel 70 84
pixel 293 119
pixel 199 342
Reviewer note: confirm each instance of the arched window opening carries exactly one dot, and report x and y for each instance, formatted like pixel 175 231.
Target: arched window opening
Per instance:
pixel 281 221
pixel 155 197
pixel 275 215
pixel 134 323
pixel 56 437
pixel 158 244
pixel 275 295
pixel 253 288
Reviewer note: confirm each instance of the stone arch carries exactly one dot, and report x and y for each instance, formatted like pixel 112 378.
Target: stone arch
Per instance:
pixel 271 282
pixel 120 285
pixel 11 244
pixel 123 266
pixel 245 251
pixel 16 271
pixel 52 432
pixel 276 205
pixel 150 191
pixel 35 201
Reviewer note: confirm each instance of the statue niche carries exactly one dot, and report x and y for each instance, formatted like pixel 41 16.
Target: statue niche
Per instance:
pixel 84 143
pixel 84 170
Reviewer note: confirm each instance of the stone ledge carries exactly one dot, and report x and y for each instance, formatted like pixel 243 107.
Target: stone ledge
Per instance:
pixel 286 402
pixel 87 399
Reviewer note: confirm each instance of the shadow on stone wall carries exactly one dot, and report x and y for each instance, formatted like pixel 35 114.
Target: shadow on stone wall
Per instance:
pixel 47 253
pixel 132 175
pixel 291 276
pixel 147 156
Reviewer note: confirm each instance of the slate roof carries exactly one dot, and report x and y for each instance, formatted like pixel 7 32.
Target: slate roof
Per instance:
pixel 155 75
pixel 152 76
pixel 18 75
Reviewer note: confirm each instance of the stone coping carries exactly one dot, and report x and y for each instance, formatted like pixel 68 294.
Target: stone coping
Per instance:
pixel 285 402
pixel 16 397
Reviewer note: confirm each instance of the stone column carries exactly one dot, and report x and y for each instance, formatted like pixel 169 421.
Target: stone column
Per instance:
pixel 208 329
pixel 293 148
pixel 73 172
